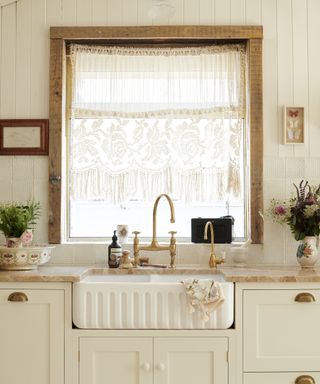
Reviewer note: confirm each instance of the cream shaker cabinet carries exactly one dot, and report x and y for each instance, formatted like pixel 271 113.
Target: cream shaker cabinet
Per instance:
pixel 121 360
pixel 281 338
pixel 191 360
pixel 31 336
pixel 158 360
pixel 281 330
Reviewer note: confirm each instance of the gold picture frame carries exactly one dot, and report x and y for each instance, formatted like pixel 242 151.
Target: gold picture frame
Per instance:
pixel 293 125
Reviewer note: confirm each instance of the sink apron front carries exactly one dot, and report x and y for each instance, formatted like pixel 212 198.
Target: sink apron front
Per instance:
pixel 144 302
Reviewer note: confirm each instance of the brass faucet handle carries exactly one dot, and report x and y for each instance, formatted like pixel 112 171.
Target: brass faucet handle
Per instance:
pixel 136 233
pixel 136 260
pixel 172 233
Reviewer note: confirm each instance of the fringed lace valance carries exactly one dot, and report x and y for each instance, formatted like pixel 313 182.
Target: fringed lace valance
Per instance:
pixel 195 160
pixel 155 51
pixel 153 120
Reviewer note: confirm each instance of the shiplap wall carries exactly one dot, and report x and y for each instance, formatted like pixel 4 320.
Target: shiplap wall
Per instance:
pixel 291 76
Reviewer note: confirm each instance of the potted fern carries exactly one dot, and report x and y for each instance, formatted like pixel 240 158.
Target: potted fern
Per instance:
pixel 17 221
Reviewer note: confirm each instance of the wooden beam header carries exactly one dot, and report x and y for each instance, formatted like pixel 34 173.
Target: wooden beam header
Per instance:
pixel 197 32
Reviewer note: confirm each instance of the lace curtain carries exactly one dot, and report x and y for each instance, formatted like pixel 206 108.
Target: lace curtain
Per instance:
pixel 152 120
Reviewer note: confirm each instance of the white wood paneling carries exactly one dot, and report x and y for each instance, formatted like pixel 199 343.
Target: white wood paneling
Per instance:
pixel 6 169
pixel 143 8
pixel 270 78
pixel 314 78
pixel 8 61
pixel 69 15
pixel 300 66
pixel 177 18
pixel 205 12
pixel 222 12
pixel 191 12
pixel 84 12
pixel 115 12
pixel 130 12
pixel 99 12
pixel 6 2
pixel 285 66
pixel 253 11
pixel 53 12
pixel 39 70
pixel 291 58
pixel 1 116
pixel 238 12
pixel 23 56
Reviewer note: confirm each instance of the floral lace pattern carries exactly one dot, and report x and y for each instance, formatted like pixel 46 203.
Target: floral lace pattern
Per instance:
pixel 193 159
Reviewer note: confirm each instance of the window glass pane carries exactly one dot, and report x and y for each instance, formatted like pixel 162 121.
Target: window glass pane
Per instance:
pixel 120 161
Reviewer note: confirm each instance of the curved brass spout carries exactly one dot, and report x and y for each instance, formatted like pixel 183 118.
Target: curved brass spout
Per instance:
pixel 214 260
pixel 155 207
pixel 154 246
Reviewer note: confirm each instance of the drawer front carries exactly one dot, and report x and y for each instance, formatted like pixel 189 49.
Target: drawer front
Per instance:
pixel 280 333
pixel 282 378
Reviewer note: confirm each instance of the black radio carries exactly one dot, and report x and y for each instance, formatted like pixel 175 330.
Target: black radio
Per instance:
pixel 223 230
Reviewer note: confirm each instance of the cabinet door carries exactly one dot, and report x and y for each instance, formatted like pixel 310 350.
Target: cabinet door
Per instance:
pixel 116 360
pixel 32 337
pixel 191 360
pixel 281 378
pixel 279 333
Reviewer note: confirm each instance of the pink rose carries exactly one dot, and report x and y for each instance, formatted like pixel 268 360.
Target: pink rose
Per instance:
pixel 26 237
pixel 280 210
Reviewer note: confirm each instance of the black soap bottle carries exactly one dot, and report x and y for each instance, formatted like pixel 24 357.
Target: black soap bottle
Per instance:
pixel 114 252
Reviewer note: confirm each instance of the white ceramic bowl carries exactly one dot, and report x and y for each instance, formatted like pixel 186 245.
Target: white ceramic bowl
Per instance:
pixel 24 258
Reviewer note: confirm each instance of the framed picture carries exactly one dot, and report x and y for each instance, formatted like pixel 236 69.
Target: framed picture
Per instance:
pixel 24 137
pixel 293 125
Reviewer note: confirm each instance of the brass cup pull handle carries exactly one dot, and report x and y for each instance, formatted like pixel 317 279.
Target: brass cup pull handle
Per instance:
pixel 304 379
pixel 304 297
pixel 18 296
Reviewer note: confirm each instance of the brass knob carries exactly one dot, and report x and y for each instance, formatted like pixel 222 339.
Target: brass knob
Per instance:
pixel 18 296
pixel 304 297
pixel 304 379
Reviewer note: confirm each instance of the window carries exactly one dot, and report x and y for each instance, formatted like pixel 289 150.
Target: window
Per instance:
pixel 144 121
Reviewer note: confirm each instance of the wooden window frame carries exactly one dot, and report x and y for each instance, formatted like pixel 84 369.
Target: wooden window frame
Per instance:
pixel 61 36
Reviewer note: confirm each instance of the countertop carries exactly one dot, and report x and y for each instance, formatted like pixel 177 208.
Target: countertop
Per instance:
pixel 247 274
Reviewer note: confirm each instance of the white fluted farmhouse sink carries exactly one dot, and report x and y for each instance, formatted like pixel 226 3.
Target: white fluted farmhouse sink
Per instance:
pixel 145 301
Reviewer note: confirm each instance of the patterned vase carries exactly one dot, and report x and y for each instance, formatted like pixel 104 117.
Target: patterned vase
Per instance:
pixel 13 242
pixel 307 252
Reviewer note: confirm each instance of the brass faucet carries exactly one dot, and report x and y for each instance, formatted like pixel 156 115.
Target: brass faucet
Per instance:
pixel 214 260
pixel 155 246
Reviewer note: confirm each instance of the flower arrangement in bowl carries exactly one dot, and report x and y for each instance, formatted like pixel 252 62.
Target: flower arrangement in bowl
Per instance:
pixel 302 214
pixel 17 220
